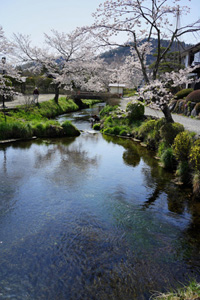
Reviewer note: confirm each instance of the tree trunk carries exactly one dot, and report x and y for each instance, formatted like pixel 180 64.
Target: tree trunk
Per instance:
pixel 167 113
pixel 56 93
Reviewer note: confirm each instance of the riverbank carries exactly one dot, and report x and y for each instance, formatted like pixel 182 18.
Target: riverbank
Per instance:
pixel 177 149
pixel 191 124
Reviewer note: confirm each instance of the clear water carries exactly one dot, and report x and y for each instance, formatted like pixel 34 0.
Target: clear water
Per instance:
pixel 93 217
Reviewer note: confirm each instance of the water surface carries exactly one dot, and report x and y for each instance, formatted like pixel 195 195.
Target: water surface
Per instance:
pixel 92 217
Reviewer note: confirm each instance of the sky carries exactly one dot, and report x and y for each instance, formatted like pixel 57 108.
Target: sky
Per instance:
pixel 34 17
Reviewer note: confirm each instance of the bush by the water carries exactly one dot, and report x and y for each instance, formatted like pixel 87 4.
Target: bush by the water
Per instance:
pixel 183 93
pixel 107 109
pixel 169 131
pixel 135 110
pixel 70 129
pixel 181 146
pixel 168 159
pixel 194 155
pixel 183 171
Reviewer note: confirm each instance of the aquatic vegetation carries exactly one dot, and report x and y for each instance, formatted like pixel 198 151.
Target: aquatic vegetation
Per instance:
pixel 97 126
pixel 190 292
pixel 168 159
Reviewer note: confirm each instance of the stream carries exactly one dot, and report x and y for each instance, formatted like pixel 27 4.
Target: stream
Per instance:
pixel 92 217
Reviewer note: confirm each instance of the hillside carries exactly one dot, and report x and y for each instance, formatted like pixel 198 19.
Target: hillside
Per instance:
pixel 118 54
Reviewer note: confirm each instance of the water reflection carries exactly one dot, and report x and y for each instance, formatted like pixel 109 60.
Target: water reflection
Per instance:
pixel 92 218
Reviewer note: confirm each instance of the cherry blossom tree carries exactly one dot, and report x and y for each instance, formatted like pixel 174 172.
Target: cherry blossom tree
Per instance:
pixel 158 90
pixel 141 20
pixel 7 70
pixel 68 59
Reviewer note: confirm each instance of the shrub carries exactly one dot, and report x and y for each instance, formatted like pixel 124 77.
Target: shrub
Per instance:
pixel 181 146
pixel 183 172
pixel 169 131
pixel 108 122
pixel 168 159
pixel 135 110
pixel 196 183
pixel 161 148
pixel 107 109
pixel 145 128
pixel 70 129
pixel 194 96
pixel 108 130
pixel 197 108
pixel 152 139
pixel 123 132
pixel 194 156
pixel 97 126
pixel 183 93
pixel 116 130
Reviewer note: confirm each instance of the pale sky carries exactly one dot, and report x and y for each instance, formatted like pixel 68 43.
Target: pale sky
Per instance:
pixel 34 17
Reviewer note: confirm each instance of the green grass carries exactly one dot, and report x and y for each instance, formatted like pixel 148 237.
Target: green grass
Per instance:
pixel 23 122
pixel 190 292
pixel 91 102
pixel 129 92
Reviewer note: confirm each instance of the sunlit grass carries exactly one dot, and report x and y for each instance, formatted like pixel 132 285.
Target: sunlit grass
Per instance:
pixel 190 292
pixel 25 122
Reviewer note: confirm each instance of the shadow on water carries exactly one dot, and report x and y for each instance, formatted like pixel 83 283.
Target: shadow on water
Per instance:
pixel 92 217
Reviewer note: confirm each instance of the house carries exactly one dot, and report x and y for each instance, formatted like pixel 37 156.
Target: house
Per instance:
pixel 117 88
pixel 191 58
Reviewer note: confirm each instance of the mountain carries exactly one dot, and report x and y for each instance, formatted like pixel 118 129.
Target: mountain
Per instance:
pixel 118 54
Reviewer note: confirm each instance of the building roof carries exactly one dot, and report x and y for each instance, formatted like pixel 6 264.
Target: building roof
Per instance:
pixel 193 49
pixel 117 85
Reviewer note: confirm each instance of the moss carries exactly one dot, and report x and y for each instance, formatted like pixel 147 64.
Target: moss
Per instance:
pixel 97 126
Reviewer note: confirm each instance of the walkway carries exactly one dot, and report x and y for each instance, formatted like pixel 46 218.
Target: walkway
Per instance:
pixel 22 100
pixel 189 123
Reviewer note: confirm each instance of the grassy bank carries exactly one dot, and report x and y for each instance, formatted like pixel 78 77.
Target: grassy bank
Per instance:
pixel 28 120
pixel 190 292
pixel 178 150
